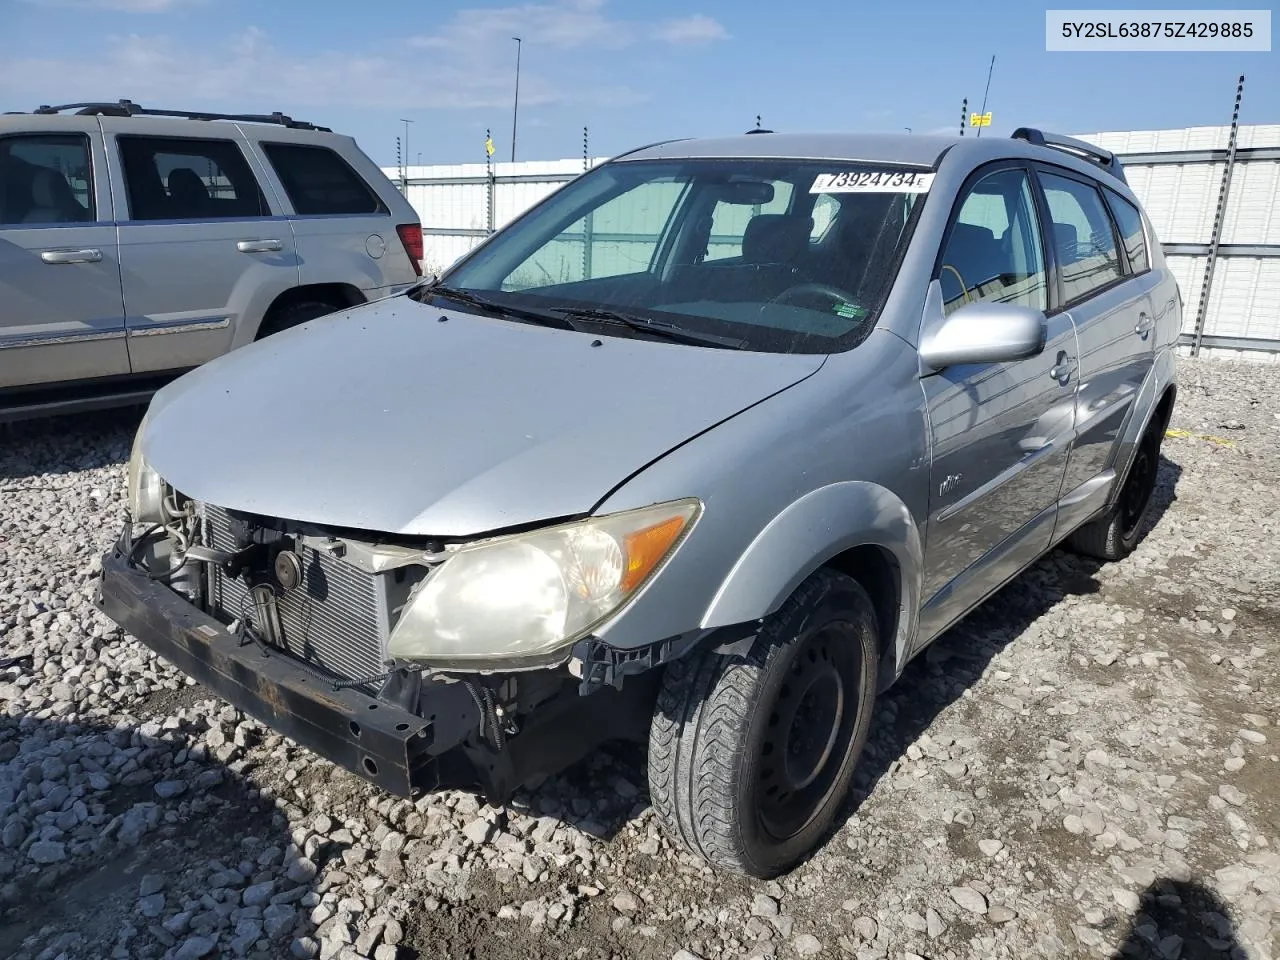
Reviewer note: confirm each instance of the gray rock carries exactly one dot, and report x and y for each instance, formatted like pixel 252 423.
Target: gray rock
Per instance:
pixel 478 831
pixel 806 945
pixel 151 906
pixel 626 903
pixel 278 920
pixel 301 870
pixel 386 951
pixel 151 883
pixel 168 789
pixel 47 851
pixel 392 933
pixel 258 894
pixel 764 906
pixel 969 899
pixel 866 928
pixel 193 948
pixel 934 925
pixel 990 847
pixel 304 948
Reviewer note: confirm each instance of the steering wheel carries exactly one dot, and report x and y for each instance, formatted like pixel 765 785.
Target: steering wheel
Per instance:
pixel 833 293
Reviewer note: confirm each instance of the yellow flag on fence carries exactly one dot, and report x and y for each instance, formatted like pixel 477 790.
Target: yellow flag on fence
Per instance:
pixel 488 145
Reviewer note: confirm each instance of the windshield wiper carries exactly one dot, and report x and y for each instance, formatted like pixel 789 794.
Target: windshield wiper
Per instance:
pixel 500 309
pixel 644 325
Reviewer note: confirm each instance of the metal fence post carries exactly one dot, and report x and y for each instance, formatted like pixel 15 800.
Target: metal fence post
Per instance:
pixel 1218 216
pixel 490 185
pixel 588 222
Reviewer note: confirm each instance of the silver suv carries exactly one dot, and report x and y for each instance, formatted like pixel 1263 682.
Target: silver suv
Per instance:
pixel 136 244
pixel 702 449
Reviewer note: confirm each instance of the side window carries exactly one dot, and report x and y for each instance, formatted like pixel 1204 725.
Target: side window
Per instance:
pixel 1082 235
pixel 619 237
pixel 994 251
pixel 188 179
pixel 729 222
pixel 319 181
pixel 1129 220
pixel 46 178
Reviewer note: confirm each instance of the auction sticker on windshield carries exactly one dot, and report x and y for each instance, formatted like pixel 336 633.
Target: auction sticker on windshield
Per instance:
pixel 872 181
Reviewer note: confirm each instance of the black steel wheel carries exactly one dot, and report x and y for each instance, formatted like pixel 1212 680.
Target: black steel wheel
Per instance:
pixel 751 756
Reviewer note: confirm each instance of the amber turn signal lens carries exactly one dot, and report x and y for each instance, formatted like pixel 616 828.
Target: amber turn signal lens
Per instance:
pixel 646 547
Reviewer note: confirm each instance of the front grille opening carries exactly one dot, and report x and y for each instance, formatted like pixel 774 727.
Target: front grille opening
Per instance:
pixel 337 620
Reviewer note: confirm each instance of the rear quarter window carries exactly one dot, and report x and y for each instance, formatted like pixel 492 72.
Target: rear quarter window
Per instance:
pixel 319 181
pixel 1129 220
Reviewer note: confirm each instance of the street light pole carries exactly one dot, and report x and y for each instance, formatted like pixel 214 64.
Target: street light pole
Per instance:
pixel 405 173
pixel 515 106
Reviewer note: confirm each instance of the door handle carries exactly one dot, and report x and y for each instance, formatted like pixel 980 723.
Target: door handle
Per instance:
pixel 1145 323
pixel 259 246
pixel 1063 369
pixel 71 256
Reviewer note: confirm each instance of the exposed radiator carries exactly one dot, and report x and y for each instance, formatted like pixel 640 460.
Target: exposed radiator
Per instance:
pixel 336 619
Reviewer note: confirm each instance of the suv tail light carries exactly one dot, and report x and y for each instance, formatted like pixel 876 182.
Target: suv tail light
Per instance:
pixel 411 237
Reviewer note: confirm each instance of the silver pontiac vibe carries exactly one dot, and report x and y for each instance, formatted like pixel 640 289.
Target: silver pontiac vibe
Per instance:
pixel 701 449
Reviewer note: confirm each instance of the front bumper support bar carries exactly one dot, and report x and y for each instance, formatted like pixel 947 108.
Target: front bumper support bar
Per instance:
pixel 379 741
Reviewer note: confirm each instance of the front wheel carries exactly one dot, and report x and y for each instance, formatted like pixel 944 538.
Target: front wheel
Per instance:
pixel 750 758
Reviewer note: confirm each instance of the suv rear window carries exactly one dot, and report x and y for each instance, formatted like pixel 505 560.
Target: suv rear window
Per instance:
pixel 318 181
pixel 188 179
pixel 1083 236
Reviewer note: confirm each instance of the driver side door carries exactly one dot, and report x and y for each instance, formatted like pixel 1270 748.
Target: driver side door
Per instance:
pixel 1000 432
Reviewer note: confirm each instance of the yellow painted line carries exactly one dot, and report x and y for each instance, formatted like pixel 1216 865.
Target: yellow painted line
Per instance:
pixel 1186 435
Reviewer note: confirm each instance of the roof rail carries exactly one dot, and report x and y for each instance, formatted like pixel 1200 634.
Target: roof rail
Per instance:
pixel 1105 159
pixel 127 108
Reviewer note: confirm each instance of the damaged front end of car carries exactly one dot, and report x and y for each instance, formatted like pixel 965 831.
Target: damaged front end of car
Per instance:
pixel 413 663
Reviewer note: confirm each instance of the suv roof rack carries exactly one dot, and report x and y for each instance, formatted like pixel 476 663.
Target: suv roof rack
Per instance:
pixel 1105 159
pixel 127 108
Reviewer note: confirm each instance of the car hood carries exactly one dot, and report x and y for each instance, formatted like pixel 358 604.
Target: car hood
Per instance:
pixel 389 418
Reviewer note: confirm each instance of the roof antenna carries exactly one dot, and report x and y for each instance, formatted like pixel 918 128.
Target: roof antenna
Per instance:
pixel 758 128
pixel 983 111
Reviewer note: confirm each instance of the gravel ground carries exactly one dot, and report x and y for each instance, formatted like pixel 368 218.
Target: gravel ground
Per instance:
pixel 1087 767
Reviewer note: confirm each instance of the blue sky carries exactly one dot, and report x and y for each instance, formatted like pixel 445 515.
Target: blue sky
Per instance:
pixel 631 71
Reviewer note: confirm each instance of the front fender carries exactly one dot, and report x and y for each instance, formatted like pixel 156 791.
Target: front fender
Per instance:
pixel 807 534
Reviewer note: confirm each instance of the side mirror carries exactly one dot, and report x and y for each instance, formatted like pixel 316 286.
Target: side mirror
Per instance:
pixel 984 332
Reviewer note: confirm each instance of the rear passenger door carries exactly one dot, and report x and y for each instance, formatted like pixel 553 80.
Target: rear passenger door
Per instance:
pixel 202 250
pixel 61 315
pixel 344 231
pixel 1106 294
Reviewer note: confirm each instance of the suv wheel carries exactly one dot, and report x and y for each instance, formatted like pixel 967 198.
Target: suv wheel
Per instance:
pixel 294 314
pixel 750 757
pixel 1114 535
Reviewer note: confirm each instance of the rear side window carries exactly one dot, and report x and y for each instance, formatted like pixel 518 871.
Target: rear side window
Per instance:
pixel 1082 235
pixel 45 178
pixel 1129 220
pixel 188 179
pixel 318 181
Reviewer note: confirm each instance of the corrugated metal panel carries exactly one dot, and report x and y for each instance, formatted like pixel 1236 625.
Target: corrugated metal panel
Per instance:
pixel 1245 298
pixel 1180 199
pixel 1253 212
pixel 1189 272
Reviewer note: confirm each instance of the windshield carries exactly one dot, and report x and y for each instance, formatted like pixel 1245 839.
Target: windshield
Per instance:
pixel 784 256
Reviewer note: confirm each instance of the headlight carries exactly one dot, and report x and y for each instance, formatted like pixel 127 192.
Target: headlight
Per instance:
pixel 521 600
pixel 146 488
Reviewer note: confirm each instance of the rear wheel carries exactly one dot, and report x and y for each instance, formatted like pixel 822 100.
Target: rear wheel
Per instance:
pixel 294 314
pixel 1114 535
pixel 750 758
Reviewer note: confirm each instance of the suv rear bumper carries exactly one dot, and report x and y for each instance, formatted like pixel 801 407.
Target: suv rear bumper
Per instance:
pixel 385 744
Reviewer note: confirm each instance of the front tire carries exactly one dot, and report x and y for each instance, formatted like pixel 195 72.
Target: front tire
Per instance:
pixel 750 758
